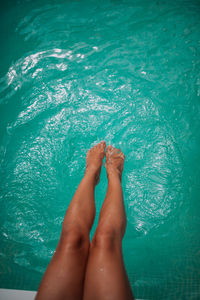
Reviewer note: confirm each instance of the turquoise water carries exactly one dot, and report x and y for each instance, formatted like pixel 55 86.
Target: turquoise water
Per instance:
pixel 73 73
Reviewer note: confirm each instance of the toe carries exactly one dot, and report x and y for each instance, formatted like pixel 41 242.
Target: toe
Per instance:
pixel 107 154
pixel 103 145
pixel 122 155
pixel 118 150
pixel 109 148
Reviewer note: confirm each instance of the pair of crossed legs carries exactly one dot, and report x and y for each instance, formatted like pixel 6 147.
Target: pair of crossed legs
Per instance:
pixel 80 269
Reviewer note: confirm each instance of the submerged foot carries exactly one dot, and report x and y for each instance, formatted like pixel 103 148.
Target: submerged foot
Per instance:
pixel 94 159
pixel 114 162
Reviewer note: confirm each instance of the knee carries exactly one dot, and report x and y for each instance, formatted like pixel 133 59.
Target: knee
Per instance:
pixel 106 239
pixel 74 238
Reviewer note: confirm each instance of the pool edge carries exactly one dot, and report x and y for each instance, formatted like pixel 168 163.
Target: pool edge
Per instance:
pixel 11 294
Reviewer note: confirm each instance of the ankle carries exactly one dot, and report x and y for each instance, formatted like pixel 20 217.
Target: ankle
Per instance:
pixel 91 175
pixel 91 170
pixel 114 175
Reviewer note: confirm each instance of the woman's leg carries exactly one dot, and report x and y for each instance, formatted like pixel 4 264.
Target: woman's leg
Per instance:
pixel 64 277
pixel 106 277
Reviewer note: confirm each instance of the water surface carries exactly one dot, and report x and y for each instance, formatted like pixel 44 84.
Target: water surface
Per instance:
pixel 73 73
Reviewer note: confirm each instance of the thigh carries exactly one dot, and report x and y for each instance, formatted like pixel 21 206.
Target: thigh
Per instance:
pixel 64 277
pixel 106 276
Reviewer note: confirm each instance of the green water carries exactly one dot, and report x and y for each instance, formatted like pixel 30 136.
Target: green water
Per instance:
pixel 73 73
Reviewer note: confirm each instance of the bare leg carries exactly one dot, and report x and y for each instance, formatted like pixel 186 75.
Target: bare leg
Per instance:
pixel 106 277
pixel 64 277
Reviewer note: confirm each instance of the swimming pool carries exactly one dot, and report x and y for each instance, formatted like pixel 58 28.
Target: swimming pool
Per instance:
pixel 74 73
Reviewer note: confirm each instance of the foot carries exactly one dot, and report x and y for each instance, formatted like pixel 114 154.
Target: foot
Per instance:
pixel 114 162
pixel 94 160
